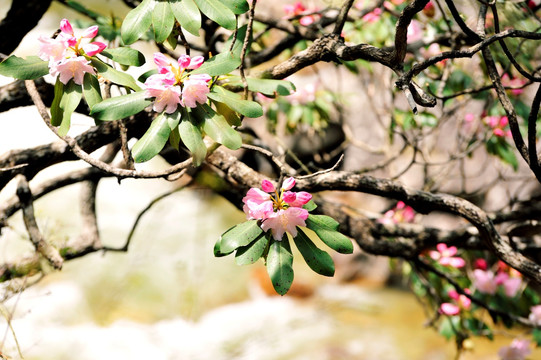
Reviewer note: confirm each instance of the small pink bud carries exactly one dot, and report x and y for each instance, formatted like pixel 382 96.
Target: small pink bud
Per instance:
pixel 184 61
pixel 267 186
pixel 449 309
pixel 480 264
pixel 94 48
pixel 289 197
pixel 65 26
pixel 195 62
pixel 91 32
pixel 288 183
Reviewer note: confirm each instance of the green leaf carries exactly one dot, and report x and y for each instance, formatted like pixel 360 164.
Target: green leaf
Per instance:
pixel 191 137
pixel 118 77
pixel 317 259
pixel 250 253
pixel 237 6
pixel 174 138
pixel 220 64
pixel 326 228
pixel 218 12
pixel 216 126
pixel 270 86
pixel 153 141
pixel 25 69
pixel 56 111
pixel 235 102
pixel 310 205
pixel 187 14
pixel 536 335
pixel 144 76
pixel 120 107
pixel 218 251
pixel 70 100
pixel 240 235
pixel 163 20
pixel 280 265
pixel 173 119
pixel 125 56
pixel 91 90
pixel 137 22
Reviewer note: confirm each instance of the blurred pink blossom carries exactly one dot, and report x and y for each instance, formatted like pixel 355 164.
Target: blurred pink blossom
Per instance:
pixel 445 256
pixel 399 214
pixel 297 10
pixel 461 302
pixel 518 350
pixel 415 31
pixel 483 280
pixel 515 83
pixel 535 315
pixel 499 125
pixel 373 16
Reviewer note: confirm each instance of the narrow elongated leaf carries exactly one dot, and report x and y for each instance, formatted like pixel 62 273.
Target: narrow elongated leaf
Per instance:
pixel 280 265
pixel 220 64
pixel 144 76
pixel 250 253
pixel 125 56
pixel 173 119
pixel 216 126
pixel 237 6
pixel 163 20
pixel 187 14
pixel 91 90
pixel 174 138
pixel 56 111
pixel 218 12
pixel 235 102
pixel 153 141
pixel 326 229
pixel 120 107
pixel 70 100
pixel 137 22
pixel 25 69
pixel 240 235
pixel 118 77
pixel 317 259
pixel 270 86
pixel 191 137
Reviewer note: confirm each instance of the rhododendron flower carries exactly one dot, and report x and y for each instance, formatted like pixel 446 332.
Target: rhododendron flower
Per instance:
pixel 498 125
pixel 400 213
pixel 511 285
pixel 66 55
pixel 535 315
pixel 299 9
pixel 280 212
pixel 518 350
pixel 515 83
pixel 373 16
pixel 445 256
pixel 483 280
pixel 72 68
pixel 175 86
pixel 462 303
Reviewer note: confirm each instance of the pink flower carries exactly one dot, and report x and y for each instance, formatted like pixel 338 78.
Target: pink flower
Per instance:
pixel 185 62
pixel 484 281
pixel 518 350
pixel 462 303
pixel 498 125
pixel 515 83
pixel 445 256
pixel 480 264
pixel 194 91
pixel 51 49
pixel 72 68
pixel 511 285
pixel 415 32
pixel 535 315
pixel 94 48
pixel 90 33
pixel 449 309
pixel 400 213
pixel 281 212
pixel 161 87
pixel 285 220
pixel 373 16
pixel 303 95
pixel 298 9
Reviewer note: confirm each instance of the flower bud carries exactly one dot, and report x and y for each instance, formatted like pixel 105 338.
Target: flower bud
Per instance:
pixel 267 186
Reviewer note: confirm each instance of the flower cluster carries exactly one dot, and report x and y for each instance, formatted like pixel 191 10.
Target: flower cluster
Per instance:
pixel 174 86
pixel 299 10
pixel 461 302
pixel 399 214
pixel 487 282
pixel 518 350
pixel 446 256
pixel 279 210
pixel 499 125
pixel 516 84
pixel 67 57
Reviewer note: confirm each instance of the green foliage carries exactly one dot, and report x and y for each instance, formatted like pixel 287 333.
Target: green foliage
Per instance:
pixel 120 107
pixel 25 69
pixel 154 139
pixel 280 265
pixel 217 127
pixel 191 136
pixel 326 229
pixel 125 56
pixel 188 15
pixel 317 259
pixel 137 22
pixel 235 102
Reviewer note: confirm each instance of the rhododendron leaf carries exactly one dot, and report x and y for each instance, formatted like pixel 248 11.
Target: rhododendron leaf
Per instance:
pixel 270 87
pixel 144 76
pixel 125 56
pixel 237 6
pixel 118 77
pixel 216 126
pixel 25 69
pixel 174 138
pixel 235 102
pixel 91 90
pixel 220 64
pixel 153 141
pixel 56 111
pixel 218 251
pixel 240 235
pixel 163 20
pixel 230 115
pixel 187 14
pixel 325 227
pixel 137 22
pixel 120 107
pixel 218 12
pixel 280 265
pixel 191 137
pixel 70 100
pixel 173 119
pixel 317 259
pixel 310 205
pixel 250 253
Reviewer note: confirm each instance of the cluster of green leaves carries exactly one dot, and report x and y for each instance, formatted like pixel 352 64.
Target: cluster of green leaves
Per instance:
pixel 250 243
pixel 162 15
